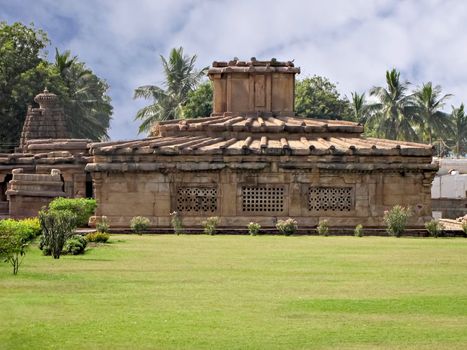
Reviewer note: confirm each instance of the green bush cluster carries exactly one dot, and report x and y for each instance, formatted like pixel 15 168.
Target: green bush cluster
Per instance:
pixel 323 228
pixel 83 208
pixel 210 225
pixel 358 232
pixel 14 238
pixel 27 229
pixel 396 220
pixel 434 228
pixel 253 228
pixel 102 224
pixel 97 237
pixel 287 227
pixel 75 245
pixel 176 222
pixel 57 226
pixel 139 224
pixel 464 226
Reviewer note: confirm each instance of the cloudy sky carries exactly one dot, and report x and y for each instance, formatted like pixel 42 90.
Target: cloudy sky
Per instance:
pixel 352 42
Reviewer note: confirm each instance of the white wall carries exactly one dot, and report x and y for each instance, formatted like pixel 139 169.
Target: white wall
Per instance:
pixel 446 164
pixel 449 186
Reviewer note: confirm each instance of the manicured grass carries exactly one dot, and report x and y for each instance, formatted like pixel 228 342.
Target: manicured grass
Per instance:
pixel 240 292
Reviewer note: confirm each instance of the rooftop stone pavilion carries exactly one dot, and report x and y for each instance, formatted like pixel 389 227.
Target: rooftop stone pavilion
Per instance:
pixel 254 160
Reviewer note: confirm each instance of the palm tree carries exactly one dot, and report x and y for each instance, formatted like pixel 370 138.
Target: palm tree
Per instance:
pixel 63 62
pixel 181 77
pixel 460 129
pixel 429 102
pixel 359 108
pixel 394 115
pixel 87 106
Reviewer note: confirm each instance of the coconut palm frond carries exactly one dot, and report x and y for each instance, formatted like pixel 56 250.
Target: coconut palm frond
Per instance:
pixel 181 77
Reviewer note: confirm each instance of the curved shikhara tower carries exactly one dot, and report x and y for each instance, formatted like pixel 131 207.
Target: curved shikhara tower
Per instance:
pixel 45 122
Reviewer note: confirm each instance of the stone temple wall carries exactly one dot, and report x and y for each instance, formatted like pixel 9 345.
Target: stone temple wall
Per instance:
pixel 239 197
pixel 260 167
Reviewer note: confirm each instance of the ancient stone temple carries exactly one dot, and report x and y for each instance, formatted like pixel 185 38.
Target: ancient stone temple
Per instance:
pixel 47 164
pixel 254 160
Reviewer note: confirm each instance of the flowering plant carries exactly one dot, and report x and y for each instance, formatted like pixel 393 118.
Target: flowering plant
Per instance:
pixel 176 222
pixel 253 228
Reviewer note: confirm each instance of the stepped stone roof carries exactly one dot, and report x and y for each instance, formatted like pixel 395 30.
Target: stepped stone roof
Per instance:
pixel 262 122
pixel 47 152
pixel 253 123
pixel 260 134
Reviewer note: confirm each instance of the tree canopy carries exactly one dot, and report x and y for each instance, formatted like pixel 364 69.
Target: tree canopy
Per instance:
pixel 394 114
pixel 84 98
pixel 429 104
pixel 317 97
pixel 25 71
pixel 458 141
pixel 199 102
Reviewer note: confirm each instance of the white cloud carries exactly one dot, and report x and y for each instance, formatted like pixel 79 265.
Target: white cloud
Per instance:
pixel 351 42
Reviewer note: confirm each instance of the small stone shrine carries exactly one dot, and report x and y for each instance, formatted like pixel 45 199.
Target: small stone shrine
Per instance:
pixel 45 145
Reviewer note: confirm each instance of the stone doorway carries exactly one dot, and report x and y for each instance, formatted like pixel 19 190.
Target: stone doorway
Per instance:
pixel 4 207
pixel 4 187
pixel 89 187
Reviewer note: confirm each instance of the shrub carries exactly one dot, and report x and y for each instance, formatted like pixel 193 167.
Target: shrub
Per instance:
pixel 210 225
pixel 12 246
pixel 83 208
pixel 57 226
pixel 102 224
pixel 43 247
pixel 97 237
pixel 434 228
pixel 253 228
pixel 33 226
pixel 176 222
pixel 27 229
pixel 358 232
pixel 139 224
pixel 287 227
pixel 323 228
pixel 464 226
pixel 75 245
pixel 396 220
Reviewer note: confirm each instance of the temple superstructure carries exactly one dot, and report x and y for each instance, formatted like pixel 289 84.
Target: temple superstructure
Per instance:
pixel 45 122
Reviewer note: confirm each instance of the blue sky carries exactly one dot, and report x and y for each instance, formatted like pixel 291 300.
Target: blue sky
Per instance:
pixel 352 43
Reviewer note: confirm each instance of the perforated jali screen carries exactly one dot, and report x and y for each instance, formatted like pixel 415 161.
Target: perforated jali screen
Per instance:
pixel 330 198
pixel 262 199
pixel 197 199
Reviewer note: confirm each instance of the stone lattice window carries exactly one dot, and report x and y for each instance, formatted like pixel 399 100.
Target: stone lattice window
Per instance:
pixel 330 198
pixel 197 199
pixel 262 199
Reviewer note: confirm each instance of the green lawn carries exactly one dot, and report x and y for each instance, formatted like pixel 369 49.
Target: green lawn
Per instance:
pixel 240 292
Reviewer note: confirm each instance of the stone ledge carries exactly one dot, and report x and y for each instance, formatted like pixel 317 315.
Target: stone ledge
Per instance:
pixel 35 193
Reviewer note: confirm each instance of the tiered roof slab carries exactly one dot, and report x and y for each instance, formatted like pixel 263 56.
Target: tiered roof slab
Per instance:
pixel 263 134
